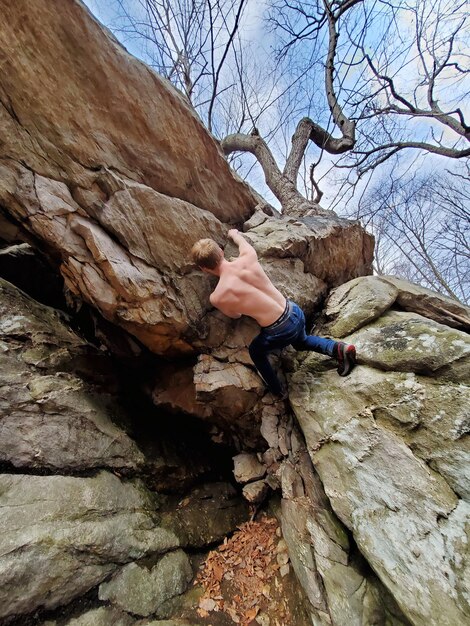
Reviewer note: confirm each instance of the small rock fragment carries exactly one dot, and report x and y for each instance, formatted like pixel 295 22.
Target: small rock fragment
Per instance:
pixel 247 468
pixel 256 492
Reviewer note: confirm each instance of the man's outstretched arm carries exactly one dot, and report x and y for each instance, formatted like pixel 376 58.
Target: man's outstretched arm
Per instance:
pixel 244 248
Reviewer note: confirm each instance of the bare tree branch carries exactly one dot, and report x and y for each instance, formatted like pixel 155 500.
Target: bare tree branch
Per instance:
pixel 222 61
pixel 282 187
pixel 318 193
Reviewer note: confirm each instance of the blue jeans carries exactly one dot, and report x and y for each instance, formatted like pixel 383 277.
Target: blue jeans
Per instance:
pixel 289 329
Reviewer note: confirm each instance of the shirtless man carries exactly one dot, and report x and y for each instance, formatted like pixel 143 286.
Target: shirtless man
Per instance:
pixel 244 289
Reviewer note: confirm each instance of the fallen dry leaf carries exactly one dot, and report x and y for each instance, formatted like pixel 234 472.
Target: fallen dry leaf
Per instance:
pixel 248 562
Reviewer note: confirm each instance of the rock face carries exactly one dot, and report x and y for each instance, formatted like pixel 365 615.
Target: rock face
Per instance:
pixel 50 416
pixel 62 535
pixel 113 112
pixel 105 164
pixel 142 591
pixel 360 301
pixel 390 442
pixel 105 167
pixel 61 404
pixel 331 248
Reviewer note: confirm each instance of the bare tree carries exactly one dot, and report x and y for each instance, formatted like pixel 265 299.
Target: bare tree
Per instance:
pixel 283 183
pixel 384 66
pixel 189 42
pixel 422 228
pixel 377 102
pixel 421 58
pixel 399 74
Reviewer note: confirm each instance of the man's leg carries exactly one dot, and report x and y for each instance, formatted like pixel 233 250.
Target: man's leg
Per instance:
pixel 343 352
pixel 259 350
pixel 315 344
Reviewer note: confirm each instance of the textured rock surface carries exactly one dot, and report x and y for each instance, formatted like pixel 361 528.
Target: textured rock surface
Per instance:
pixel 232 390
pixel 107 139
pixel 392 451
pixel 102 616
pixel 360 301
pixel 116 176
pixel 50 417
pixel 341 589
pixel 246 467
pixel 60 404
pixel 409 342
pixel 205 516
pixel 142 590
pixel 109 616
pixel 256 491
pixel 333 249
pixel 138 132
pixel 430 304
pixel 430 416
pixel 167 622
pixel 62 535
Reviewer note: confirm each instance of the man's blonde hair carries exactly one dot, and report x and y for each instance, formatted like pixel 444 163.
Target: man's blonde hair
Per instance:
pixel 206 253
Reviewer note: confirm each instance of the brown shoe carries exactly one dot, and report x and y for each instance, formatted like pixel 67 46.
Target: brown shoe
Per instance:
pixel 346 355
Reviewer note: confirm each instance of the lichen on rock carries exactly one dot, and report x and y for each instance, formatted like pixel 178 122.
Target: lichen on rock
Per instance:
pixel 390 444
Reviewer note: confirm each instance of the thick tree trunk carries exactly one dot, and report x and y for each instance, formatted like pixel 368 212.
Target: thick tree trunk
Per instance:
pixel 282 184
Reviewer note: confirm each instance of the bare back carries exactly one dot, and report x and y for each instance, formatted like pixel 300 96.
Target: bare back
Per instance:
pixel 244 289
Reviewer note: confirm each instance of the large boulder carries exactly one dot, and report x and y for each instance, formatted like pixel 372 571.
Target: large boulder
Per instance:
pixel 107 166
pixel 358 302
pixel 51 415
pixel 61 405
pixel 341 589
pixel 390 444
pixel 434 305
pixel 142 590
pixel 61 536
pixel 81 104
pixel 333 249
pixel 409 342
